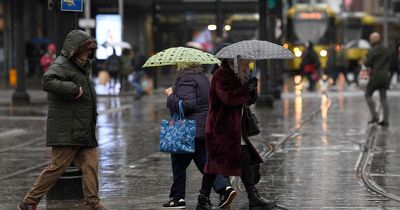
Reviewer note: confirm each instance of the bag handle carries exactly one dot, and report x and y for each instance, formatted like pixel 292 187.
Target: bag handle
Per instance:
pixel 247 111
pixel 181 113
pixel 174 118
pixel 178 116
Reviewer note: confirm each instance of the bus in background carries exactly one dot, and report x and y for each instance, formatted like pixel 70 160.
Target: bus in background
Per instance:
pixel 355 28
pixel 241 27
pixel 305 22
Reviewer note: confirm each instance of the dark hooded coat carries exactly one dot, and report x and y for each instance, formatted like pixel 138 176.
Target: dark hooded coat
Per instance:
pixel 192 88
pixel 71 122
pixel 224 124
pixel 378 60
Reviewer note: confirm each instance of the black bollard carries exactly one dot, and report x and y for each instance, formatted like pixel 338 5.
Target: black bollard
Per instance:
pixel 68 186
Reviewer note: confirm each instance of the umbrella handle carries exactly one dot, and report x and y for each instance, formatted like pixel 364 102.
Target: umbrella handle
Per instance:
pixel 236 64
pixel 253 71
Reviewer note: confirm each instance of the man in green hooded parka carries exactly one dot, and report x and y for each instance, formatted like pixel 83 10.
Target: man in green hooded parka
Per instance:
pixel 71 121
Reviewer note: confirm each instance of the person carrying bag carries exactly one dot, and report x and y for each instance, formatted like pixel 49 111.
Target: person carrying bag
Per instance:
pixel 187 101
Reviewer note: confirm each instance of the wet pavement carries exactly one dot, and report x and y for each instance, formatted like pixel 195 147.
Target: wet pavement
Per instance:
pixel 311 143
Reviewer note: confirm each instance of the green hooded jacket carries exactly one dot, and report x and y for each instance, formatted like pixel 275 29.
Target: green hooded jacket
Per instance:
pixel 71 122
pixel 378 60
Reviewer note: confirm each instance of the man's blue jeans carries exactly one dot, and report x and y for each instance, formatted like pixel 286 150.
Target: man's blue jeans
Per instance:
pixel 180 162
pixel 137 83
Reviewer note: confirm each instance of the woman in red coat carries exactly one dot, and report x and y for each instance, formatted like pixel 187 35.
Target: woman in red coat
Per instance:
pixel 229 151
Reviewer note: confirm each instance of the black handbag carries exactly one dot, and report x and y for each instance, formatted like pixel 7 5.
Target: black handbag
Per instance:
pixel 252 122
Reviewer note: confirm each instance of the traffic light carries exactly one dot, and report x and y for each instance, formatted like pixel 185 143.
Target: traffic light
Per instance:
pixel 275 6
pixel 271 4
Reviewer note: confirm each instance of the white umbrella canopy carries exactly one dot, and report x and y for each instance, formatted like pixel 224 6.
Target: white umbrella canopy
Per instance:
pixel 360 43
pixel 255 50
pixel 122 44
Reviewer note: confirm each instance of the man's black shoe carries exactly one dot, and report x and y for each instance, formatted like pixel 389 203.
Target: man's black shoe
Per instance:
pixel 138 97
pixel 383 124
pixel 373 121
pixel 26 206
pixel 227 197
pixel 175 204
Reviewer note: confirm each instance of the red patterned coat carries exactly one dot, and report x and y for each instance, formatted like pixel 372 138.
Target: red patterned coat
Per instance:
pixel 224 124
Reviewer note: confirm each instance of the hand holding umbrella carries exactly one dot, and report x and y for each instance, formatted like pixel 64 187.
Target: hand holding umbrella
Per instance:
pixel 252 84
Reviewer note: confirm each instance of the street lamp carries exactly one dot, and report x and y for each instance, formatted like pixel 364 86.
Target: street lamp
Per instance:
pixel 20 96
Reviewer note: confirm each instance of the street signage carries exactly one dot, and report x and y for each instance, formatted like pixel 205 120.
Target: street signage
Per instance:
pixel 72 5
pixel 86 23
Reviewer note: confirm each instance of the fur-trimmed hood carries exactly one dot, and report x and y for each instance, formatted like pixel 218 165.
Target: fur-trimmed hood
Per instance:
pixel 77 40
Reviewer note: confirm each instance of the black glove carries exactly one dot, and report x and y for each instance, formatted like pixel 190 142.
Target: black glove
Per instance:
pixel 253 96
pixel 252 84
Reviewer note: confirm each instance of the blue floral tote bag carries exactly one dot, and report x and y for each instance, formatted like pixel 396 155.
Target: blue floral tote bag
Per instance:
pixel 177 134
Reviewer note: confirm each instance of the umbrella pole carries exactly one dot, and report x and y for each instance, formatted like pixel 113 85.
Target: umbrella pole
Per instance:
pixel 265 99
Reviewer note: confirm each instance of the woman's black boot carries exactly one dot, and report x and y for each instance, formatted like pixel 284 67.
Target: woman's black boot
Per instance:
pixel 204 203
pixel 256 202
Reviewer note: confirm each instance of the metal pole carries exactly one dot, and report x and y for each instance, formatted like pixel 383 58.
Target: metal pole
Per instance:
pixel 219 22
pixel 289 3
pixel 64 22
pixel 263 4
pixel 7 39
pixel 385 24
pixel 276 65
pixel 265 98
pixel 156 46
pixel 121 14
pixel 19 97
pixel 87 15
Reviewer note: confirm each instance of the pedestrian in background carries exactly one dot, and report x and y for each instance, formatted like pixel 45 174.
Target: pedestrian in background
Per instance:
pixel 229 150
pixel 331 67
pixel 192 86
pixel 48 58
pixel 336 63
pixel 126 69
pixel 71 121
pixel 378 61
pixel 341 62
pixel 137 62
pixel 113 66
pixel 310 65
pixel 394 63
pixel 30 53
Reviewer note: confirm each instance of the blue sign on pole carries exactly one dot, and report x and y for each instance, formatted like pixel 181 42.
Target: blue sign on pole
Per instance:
pixel 72 5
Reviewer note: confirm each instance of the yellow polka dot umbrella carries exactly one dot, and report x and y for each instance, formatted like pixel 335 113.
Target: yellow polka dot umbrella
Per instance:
pixel 181 56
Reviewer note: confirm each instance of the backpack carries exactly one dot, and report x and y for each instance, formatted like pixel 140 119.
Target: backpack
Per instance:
pixel 114 64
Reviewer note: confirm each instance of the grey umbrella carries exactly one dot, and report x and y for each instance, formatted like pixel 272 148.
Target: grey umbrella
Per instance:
pixel 255 50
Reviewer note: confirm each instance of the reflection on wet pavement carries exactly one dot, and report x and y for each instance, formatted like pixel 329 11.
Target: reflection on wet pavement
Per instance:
pixel 313 169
